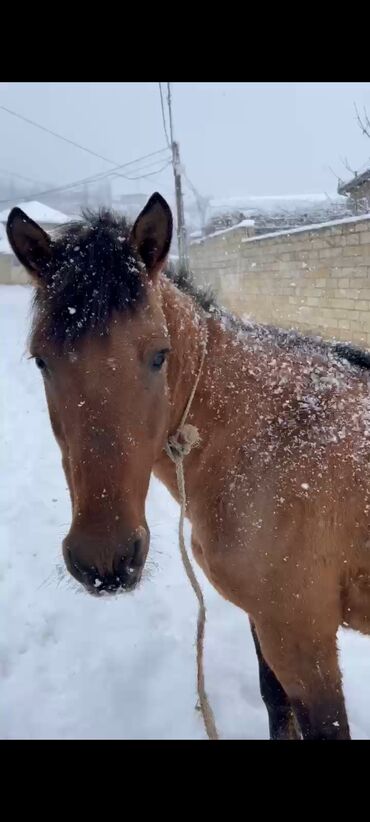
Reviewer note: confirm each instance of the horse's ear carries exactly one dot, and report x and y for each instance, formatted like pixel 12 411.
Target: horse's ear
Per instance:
pixel 30 243
pixel 152 233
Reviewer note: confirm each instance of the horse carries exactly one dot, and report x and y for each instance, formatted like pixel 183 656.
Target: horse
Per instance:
pixel 278 487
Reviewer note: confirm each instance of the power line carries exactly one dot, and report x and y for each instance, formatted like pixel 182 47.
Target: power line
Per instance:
pixel 191 185
pixel 58 136
pixel 78 145
pixel 150 173
pixel 198 197
pixel 163 115
pixel 92 178
pixel 140 168
pixel 55 190
pixel 20 176
pixel 201 202
pixel 169 103
pixel 181 228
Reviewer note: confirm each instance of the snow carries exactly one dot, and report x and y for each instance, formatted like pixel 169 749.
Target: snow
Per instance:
pixel 313 227
pixel 72 666
pixel 39 212
pixel 272 203
pixel 242 224
pixel 5 247
pixel 4 244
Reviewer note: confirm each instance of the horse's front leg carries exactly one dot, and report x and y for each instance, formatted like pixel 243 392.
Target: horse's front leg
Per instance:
pixel 282 722
pixel 304 658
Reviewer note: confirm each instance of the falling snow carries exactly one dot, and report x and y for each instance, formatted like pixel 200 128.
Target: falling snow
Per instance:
pixel 137 650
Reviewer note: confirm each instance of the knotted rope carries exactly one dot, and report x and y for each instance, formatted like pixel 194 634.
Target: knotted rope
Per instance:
pixel 177 447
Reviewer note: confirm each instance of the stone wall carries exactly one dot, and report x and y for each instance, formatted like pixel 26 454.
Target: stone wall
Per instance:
pixel 316 278
pixel 11 273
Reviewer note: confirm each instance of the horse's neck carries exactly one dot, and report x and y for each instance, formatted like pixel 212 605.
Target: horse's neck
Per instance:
pixel 187 326
pixel 217 401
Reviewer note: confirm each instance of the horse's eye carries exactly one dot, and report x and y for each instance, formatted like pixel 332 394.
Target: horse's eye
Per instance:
pixel 40 363
pixel 159 359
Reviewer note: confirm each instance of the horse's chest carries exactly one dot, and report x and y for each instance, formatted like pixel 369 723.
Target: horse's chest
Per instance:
pixel 356 602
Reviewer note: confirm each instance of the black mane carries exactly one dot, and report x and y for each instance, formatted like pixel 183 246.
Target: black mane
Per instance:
pixel 96 270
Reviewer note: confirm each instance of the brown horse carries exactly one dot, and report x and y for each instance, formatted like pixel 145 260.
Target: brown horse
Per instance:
pixel 278 490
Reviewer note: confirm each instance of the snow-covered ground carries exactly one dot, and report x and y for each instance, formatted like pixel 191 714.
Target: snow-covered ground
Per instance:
pixel 76 667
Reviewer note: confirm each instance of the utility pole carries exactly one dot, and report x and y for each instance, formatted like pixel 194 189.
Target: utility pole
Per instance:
pixel 181 229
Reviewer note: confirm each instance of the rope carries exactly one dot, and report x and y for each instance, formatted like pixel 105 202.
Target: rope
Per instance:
pixel 177 447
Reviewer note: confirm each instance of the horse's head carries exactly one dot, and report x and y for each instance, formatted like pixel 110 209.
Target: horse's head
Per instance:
pixel 100 340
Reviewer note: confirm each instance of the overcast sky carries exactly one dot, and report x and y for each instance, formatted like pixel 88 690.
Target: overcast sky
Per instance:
pixel 235 138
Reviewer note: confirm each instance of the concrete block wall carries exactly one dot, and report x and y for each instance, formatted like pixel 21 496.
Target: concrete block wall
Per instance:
pixel 316 279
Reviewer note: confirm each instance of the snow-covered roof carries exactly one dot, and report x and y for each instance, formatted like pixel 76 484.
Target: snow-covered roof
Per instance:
pixel 38 212
pixel 273 203
pixel 302 228
pixel 242 224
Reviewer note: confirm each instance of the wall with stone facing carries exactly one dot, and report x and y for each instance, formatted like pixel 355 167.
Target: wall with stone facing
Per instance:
pixel 316 279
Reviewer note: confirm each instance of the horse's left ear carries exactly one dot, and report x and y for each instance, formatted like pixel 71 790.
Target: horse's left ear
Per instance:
pixel 152 234
pixel 30 243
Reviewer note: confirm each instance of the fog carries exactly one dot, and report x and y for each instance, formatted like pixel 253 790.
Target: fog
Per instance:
pixel 235 138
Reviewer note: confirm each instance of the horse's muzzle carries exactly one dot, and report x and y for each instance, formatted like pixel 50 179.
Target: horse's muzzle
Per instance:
pixel 122 573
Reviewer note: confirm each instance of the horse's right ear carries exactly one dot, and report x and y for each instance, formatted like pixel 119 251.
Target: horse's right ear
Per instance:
pixel 30 243
pixel 152 234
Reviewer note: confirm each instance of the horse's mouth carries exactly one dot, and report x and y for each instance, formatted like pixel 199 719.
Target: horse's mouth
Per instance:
pixel 123 571
pixel 114 587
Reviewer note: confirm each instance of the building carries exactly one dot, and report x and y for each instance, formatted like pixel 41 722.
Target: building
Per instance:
pixel 358 191
pixel 49 218
pixel 277 213
pixel 42 214
pixel 7 259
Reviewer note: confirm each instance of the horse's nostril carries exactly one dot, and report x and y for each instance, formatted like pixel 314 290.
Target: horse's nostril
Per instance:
pixel 136 558
pixel 125 569
pixel 122 571
pixel 87 574
pixel 79 568
pixel 129 565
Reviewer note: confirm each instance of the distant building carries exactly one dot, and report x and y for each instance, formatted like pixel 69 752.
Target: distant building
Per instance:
pixel 10 270
pixel 48 218
pixel 42 214
pixel 278 213
pixel 357 190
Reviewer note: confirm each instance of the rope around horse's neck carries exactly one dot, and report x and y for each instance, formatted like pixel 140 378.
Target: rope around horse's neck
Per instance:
pixel 177 447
